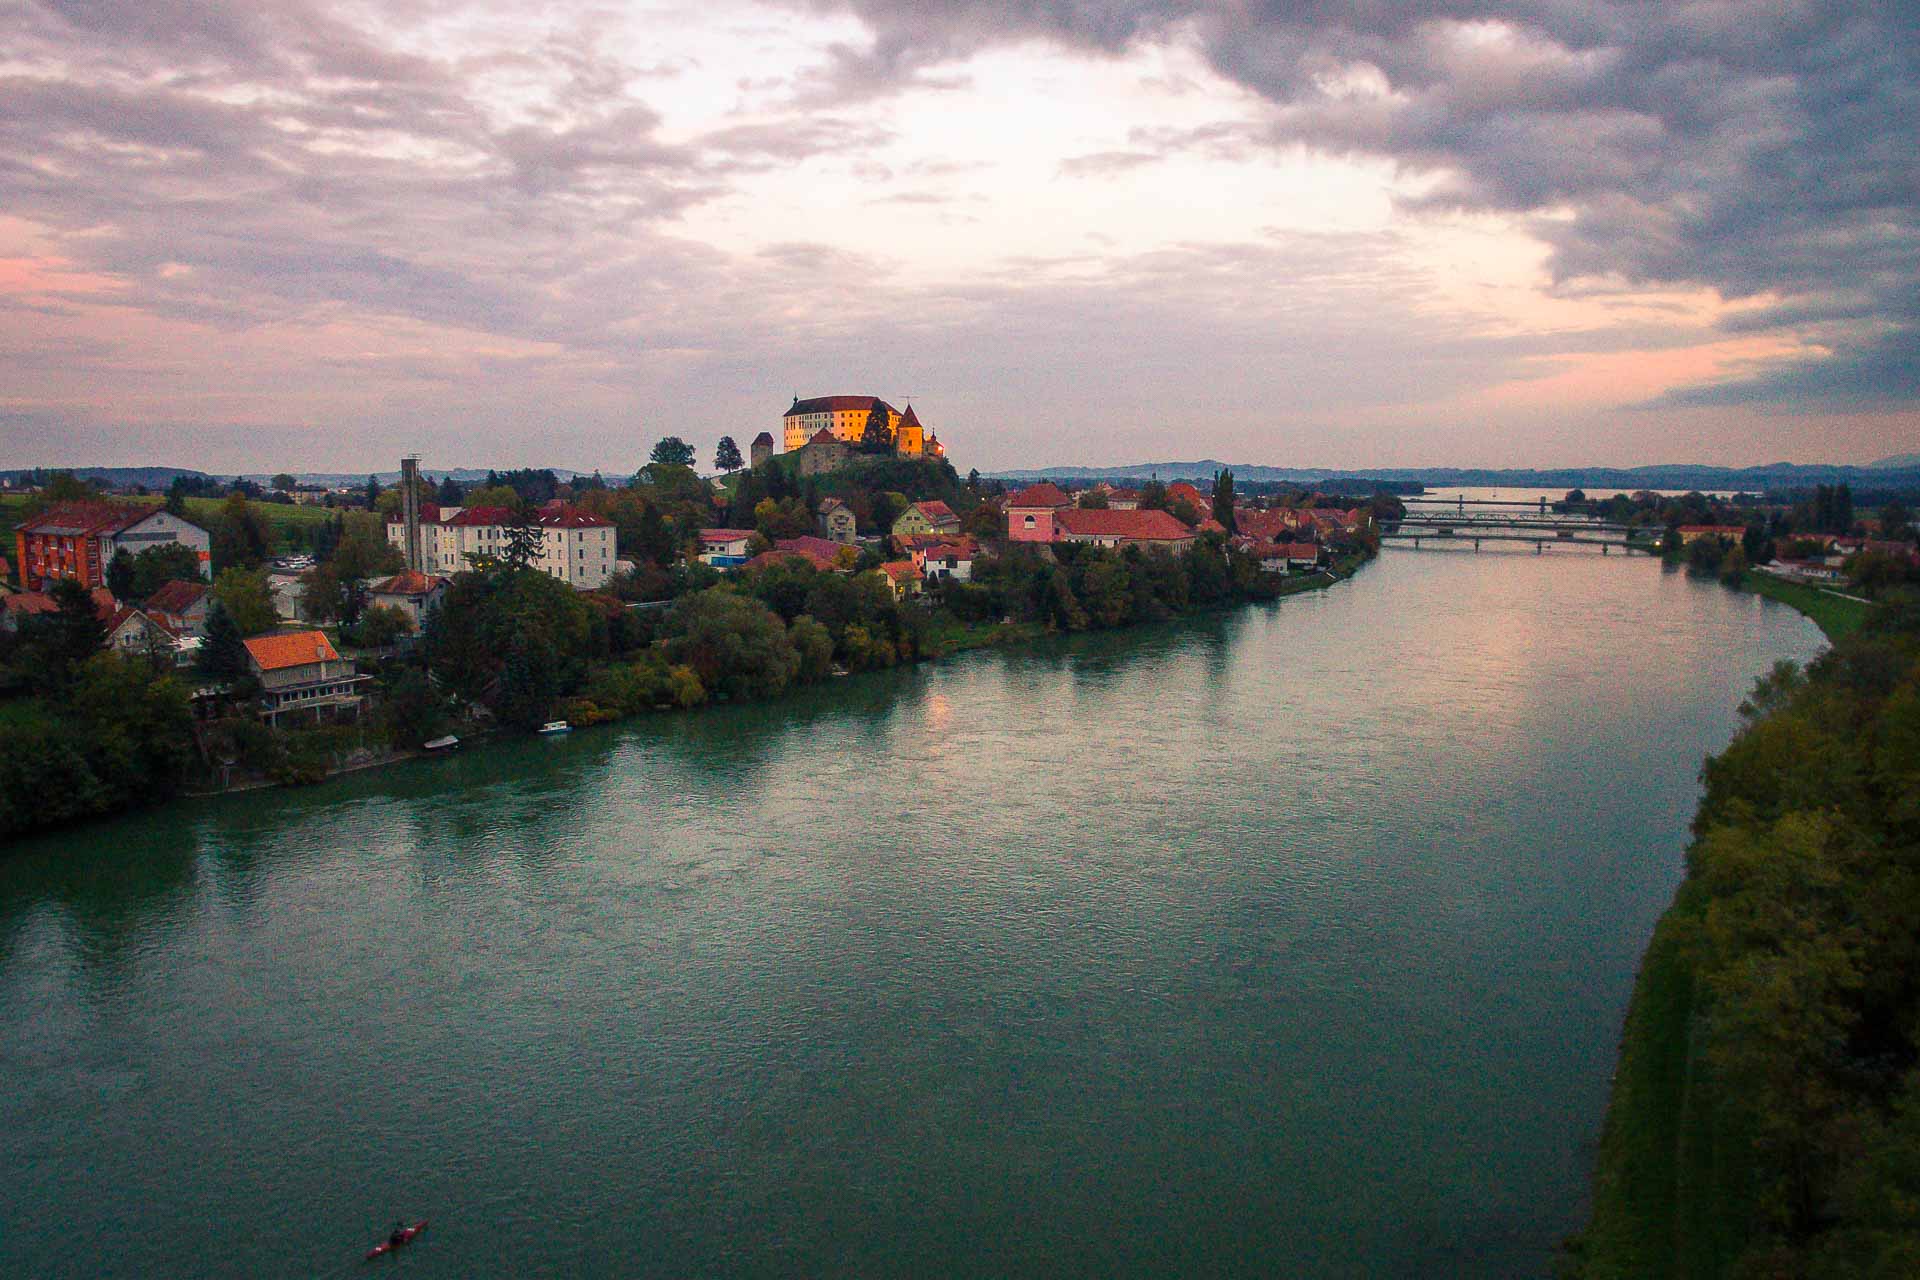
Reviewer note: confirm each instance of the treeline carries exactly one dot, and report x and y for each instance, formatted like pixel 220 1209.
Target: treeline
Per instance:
pixel 1765 1118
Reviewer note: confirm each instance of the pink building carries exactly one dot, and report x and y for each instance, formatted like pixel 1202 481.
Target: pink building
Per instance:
pixel 1031 513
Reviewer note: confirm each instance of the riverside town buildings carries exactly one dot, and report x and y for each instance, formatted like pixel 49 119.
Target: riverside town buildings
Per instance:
pixel 575 547
pixel 78 539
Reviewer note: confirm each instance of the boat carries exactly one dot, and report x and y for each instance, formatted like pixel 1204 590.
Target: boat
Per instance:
pixel 394 1242
pixel 555 726
pixel 448 743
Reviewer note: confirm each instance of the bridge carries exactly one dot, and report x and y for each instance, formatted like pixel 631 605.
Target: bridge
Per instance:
pixel 1449 522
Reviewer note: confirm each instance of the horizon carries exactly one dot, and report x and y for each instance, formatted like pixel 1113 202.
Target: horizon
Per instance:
pixel 1486 237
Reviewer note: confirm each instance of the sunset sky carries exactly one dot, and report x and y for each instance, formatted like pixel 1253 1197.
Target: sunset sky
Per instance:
pixel 253 235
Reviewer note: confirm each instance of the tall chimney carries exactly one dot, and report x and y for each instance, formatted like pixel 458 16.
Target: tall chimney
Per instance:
pixel 410 508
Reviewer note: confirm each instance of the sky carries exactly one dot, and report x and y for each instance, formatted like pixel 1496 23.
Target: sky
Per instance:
pixel 264 235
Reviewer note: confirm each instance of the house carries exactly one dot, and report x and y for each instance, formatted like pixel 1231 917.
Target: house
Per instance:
pixel 1278 557
pixel 78 539
pixel 1691 533
pixel 837 521
pixel 1031 513
pixel 950 560
pixel 1123 499
pixel 824 452
pixel 411 592
pixel 180 606
pixel 903 577
pixel 809 545
pixel 724 548
pixel 21 605
pixel 1110 528
pixel 299 671
pixel 783 554
pixel 133 631
pixel 926 517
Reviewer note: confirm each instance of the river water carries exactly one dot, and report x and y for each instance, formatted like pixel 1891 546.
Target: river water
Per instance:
pixel 1291 941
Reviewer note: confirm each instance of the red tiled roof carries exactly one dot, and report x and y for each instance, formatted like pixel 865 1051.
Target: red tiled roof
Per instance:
pixel 725 535
pixel 1181 489
pixel 290 649
pixel 472 517
pixel 829 504
pixel 429 514
pixel 567 517
pixel 177 596
pixel 409 582
pixel 809 545
pixel 1718 530
pixel 1044 494
pixel 1209 525
pixel 822 436
pixel 901 570
pixel 937 510
pixel 826 564
pixel 1135 526
pixel 73 518
pixel 126 612
pixel 24 603
pixel 953 549
pixel 909 419
pixel 837 404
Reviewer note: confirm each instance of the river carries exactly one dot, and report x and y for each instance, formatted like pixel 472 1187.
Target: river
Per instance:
pixel 1293 940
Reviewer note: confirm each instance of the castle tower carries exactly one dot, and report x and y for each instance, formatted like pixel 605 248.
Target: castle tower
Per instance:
pixel 761 449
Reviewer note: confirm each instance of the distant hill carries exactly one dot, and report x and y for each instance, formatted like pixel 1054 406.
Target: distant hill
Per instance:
pixel 1777 475
pixel 1898 462
pixel 161 477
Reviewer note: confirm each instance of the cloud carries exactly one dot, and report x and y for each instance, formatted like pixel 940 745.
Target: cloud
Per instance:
pixel 1106 163
pixel 1751 148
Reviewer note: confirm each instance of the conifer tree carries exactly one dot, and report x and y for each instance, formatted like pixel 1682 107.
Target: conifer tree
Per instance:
pixel 877 437
pixel 223 653
pixel 727 456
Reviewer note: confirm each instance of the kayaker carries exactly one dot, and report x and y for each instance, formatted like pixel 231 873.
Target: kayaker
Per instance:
pixel 398 1236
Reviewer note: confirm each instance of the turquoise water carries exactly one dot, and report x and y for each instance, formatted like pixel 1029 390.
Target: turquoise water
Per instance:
pixel 1291 941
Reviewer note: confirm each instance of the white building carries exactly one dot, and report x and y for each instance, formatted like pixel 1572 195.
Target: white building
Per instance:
pixel 576 547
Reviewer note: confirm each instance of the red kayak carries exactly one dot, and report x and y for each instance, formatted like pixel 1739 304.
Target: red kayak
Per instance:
pixel 405 1237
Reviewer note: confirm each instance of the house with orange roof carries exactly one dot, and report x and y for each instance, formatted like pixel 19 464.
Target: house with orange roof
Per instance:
pixel 180 606
pixel 300 672
pixel 903 578
pixel 1032 512
pixel 411 592
pixel 1110 528
pixel 78 540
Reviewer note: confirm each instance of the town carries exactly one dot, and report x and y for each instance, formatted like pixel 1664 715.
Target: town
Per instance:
pixel 280 633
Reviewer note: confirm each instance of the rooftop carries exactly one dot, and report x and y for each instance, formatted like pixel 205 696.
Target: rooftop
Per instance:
pixel 838 404
pixel 290 649
pixel 1137 526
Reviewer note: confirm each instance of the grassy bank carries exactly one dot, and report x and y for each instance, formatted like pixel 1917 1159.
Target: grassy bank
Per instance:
pixel 1835 615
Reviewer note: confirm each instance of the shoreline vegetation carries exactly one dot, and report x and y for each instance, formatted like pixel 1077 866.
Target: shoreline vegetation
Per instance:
pixel 1765 1114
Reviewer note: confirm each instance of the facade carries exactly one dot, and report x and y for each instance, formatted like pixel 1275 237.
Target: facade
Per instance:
pixel 837 521
pixel 724 548
pixel 823 453
pixel 300 673
pixel 924 518
pixel 412 593
pixel 844 417
pixel 1123 499
pixel 902 577
pixel 131 631
pixel 180 606
pixel 78 539
pixel 578 548
pixel 761 450
pixel 950 560
pixel 1032 512
pixel 1112 528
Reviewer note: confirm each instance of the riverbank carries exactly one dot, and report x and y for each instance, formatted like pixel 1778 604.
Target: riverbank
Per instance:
pixel 1836 615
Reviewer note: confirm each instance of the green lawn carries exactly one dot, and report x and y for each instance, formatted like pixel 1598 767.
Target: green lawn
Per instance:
pixel 280 517
pixel 1834 615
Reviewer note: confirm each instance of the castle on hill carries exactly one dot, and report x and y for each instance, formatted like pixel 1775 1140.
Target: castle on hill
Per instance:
pixel 825 419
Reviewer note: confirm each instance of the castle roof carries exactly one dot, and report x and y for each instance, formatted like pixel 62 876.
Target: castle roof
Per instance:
pixel 838 404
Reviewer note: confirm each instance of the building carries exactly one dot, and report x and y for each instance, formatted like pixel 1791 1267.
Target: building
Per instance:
pixel 837 521
pixel 1691 533
pixel 724 548
pixel 761 450
pixel 950 560
pixel 1123 499
pixel 1278 557
pixel 300 672
pixel 411 592
pixel 902 577
pixel 180 606
pixel 1031 513
pixel 18 606
pixel 133 631
pixel 926 517
pixel 823 453
pixel 782 555
pixel 578 548
pixel 807 544
pixel 78 539
pixel 1110 528
pixel 843 417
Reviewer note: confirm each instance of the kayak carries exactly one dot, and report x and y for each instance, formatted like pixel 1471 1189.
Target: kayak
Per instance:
pixel 406 1237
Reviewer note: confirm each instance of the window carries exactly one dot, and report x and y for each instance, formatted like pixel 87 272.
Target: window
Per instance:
pixel 1027 522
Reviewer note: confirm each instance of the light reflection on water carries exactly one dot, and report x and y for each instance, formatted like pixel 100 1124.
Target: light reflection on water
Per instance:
pixel 1290 940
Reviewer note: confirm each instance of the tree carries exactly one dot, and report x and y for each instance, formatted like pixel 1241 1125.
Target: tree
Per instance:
pixel 120 574
pixel 283 482
pixel 1094 500
pixel 449 494
pixel 1223 499
pixel 672 452
pixel 737 646
pixel 57 643
pixel 727 456
pixel 177 497
pixel 525 543
pixel 160 564
pixel 877 436
pixel 248 599
pixel 383 624
pixel 373 490
pixel 1894 519
pixel 223 653
pixel 241 537
pixel 64 486
pixel 495 495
